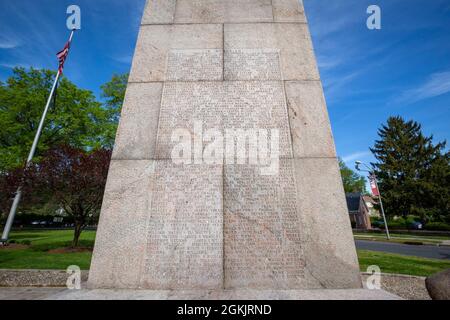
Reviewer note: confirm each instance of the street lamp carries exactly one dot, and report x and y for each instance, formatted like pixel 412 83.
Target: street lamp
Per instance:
pixel 371 172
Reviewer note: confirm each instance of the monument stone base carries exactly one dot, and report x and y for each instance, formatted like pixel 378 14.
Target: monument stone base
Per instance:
pixel 237 294
pixel 215 220
pixel 232 67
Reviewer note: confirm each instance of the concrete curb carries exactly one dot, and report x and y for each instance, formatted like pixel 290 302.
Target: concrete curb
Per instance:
pixel 58 278
pixel 406 241
pixel 445 243
pixel 397 275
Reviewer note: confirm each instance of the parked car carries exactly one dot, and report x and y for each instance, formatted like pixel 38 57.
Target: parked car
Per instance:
pixel 416 226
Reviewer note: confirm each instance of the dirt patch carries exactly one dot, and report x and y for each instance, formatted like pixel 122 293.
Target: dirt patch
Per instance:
pixel 14 246
pixel 70 250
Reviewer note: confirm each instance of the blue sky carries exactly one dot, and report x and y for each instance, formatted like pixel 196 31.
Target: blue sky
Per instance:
pixel 402 69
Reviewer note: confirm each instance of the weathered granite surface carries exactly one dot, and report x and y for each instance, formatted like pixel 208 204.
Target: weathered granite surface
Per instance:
pixel 263 233
pixel 136 135
pixel 160 227
pixel 438 285
pixel 291 39
pixel 159 12
pixel 220 11
pixel 222 105
pixel 228 64
pixel 308 118
pixel 239 294
pixel 114 294
pixel 288 11
pixel 156 41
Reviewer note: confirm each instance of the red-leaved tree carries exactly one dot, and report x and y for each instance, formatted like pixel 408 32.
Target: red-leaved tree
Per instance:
pixel 73 178
pixel 9 181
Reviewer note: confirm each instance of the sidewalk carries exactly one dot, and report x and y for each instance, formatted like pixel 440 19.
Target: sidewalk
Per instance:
pixel 445 243
pixel 241 294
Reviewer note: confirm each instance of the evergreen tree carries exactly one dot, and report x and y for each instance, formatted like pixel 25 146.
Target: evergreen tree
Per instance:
pixel 413 172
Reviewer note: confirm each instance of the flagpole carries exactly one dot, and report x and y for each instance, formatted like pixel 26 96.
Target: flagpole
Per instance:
pixel 382 208
pixel 18 196
pixel 373 176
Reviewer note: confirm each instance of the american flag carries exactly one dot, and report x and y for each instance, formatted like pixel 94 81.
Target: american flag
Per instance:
pixel 374 186
pixel 62 55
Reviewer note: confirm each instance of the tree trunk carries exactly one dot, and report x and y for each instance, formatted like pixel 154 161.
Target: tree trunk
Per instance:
pixel 76 234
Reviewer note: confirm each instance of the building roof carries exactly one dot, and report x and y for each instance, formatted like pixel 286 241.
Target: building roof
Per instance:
pixel 353 200
pixel 369 199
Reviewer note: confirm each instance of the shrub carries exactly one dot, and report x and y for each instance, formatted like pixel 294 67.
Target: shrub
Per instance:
pixel 411 219
pixel 401 222
pixel 395 224
pixel 438 226
pixel 377 224
pixel 375 220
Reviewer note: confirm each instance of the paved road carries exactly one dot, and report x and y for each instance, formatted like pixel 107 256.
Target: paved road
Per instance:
pixel 425 251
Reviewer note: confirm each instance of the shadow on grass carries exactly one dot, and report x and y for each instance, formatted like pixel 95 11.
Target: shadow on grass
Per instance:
pixel 45 247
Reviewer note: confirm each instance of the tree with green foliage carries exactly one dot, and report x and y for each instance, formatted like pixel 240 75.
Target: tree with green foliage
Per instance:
pixel 352 181
pixel 114 93
pixel 413 172
pixel 77 119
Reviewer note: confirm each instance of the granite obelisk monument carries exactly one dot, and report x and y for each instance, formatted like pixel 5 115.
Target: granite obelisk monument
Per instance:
pixel 208 68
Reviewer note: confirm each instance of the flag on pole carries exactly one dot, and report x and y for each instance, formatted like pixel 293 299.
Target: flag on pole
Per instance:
pixel 62 55
pixel 373 186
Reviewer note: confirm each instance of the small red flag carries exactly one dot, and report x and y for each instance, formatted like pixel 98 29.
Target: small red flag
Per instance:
pixel 62 55
pixel 373 186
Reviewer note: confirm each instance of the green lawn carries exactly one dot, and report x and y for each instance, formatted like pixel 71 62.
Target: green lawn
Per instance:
pixel 395 263
pixel 37 255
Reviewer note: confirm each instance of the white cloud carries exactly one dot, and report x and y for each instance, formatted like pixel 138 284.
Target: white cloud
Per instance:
pixel 125 59
pixel 37 37
pixel 7 65
pixel 437 84
pixel 327 62
pixel 21 65
pixel 4 44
